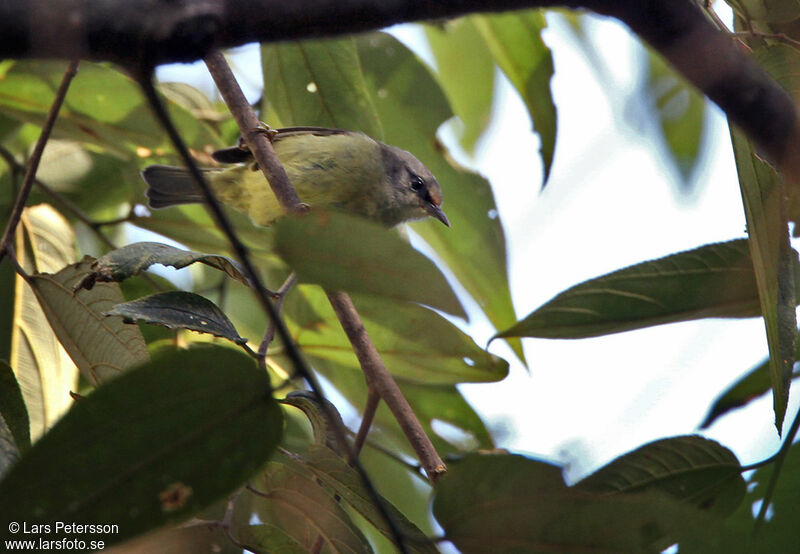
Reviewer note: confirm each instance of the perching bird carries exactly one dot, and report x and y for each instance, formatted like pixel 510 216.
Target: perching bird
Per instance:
pixel 329 168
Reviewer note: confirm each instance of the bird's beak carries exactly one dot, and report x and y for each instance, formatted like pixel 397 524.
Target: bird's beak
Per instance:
pixel 436 211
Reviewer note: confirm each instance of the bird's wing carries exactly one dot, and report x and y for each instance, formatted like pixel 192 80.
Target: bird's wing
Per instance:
pixel 242 154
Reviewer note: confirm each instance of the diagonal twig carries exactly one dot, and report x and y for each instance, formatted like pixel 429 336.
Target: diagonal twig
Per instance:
pixel 36 157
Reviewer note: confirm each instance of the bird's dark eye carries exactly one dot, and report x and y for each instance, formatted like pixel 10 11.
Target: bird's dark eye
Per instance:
pixel 417 184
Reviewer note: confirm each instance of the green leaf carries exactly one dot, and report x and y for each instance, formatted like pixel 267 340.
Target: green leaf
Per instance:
pixel 777 533
pixel 715 280
pixel 310 405
pixel 134 258
pixel 154 445
pixel 13 413
pixel 335 473
pixel 45 372
pixel 179 310
pixel 430 403
pixel 319 82
pixel 752 385
pixel 269 539
pixel 416 344
pixel 322 249
pixel 412 107
pixel 690 468
pixel 515 42
pixel 102 107
pixel 680 114
pixel 290 498
pixel 102 348
pixel 507 503
pixel 469 86
pixel 774 262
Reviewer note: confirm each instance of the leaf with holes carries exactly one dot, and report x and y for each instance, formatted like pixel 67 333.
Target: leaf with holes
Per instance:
pixel 102 348
pixel 179 310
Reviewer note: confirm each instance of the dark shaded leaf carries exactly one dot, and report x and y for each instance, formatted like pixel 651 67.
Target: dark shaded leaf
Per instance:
pixel 515 41
pixel 179 310
pixel 716 280
pixel 101 347
pixel 154 445
pixel 507 503
pixel 311 406
pixel 134 258
pixel 752 385
pixel 778 533
pixel 342 252
pixel 13 413
pixel 691 468
pixel 319 82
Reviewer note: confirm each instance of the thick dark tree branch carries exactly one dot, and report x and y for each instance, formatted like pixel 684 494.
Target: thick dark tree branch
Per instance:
pixel 149 32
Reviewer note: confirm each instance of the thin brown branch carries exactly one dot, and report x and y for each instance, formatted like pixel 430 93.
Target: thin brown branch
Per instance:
pixel 253 134
pixel 36 156
pixel 379 379
pixel 269 334
pixel 370 409
pixel 271 167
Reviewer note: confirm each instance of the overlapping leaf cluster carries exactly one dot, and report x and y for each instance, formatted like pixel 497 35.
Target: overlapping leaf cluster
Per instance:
pixel 156 434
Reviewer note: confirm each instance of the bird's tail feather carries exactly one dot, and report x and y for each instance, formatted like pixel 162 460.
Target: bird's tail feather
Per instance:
pixel 169 186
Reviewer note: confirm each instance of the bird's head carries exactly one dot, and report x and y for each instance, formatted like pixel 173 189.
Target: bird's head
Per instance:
pixel 414 192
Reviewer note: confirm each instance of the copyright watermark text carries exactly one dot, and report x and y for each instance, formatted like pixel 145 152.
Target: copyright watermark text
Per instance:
pixel 58 535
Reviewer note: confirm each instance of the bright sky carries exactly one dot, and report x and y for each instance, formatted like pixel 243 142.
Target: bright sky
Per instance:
pixel 611 202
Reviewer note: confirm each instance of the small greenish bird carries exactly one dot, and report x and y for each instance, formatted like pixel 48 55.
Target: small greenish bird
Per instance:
pixel 329 168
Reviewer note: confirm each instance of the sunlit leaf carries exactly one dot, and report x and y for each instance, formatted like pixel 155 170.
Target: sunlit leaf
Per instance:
pixel 179 310
pixel 319 82
pixel 321 248
pixel 45 372
pixel 103 107
pixel 716 280
pixel 514 39
pixel 154 445
pixel 690 468
pixel 101 347
pixel 416 344
pixel 469 86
